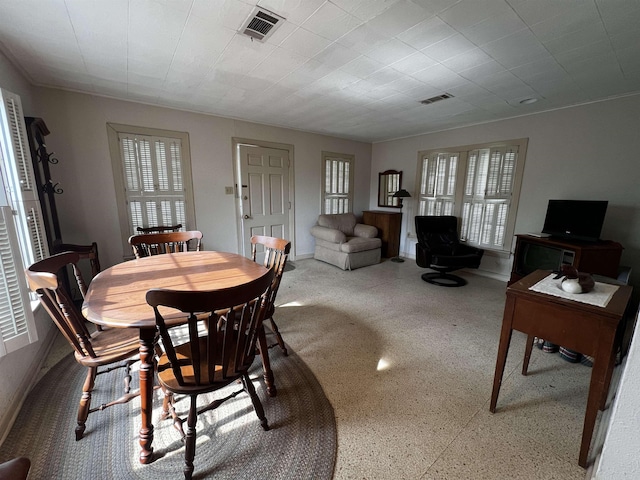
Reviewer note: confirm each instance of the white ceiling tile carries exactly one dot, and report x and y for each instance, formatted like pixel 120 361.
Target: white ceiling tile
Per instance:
pixel 620 16
pixel 363 39
pixel 494 28
pixel 334 81
pixel 577 39
pixel 188 55
pixel 362 66
pixel 516 49
pixel 542 68
pixel 294 11
pixel 365 9
pixel 391 51
pixel 385 76
pixel 426 33
pixel 398 18
pixel 499 80
pixel 241 54
pixel 278 64
pixel 469 12
pixel 580 17
pixel 200 42
pixel 540 10
pixel 413 63
pixel 406 84
pixel 305 43
pixel 489 68
pixel 336 55
pixel 228 13
pixel 439 76
pixel 469 59
pixel 331 22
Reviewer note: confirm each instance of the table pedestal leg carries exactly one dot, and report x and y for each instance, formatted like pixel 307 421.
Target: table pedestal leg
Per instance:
pixel 266 364
pixel 147 339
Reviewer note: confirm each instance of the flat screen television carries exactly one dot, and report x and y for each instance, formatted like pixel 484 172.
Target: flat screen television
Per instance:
pixel 575 219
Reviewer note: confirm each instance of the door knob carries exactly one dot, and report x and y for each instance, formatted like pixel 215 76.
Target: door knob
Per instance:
pixel 246 217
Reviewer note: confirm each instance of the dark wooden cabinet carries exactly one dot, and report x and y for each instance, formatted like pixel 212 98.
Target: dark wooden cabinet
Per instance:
pixel 532 253
pixel 389 225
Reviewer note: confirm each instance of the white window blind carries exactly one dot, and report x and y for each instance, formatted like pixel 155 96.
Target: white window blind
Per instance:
pixel 438 184
pixel 487 196
pixel 22 237
pixel 17 327
pixel 154 190
pixel 479 184
pixel 338 183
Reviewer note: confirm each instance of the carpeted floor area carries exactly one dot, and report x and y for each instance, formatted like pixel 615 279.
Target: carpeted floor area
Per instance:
pixel 230 442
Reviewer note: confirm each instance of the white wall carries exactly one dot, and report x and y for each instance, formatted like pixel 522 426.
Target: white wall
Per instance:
pixel 620 456
pixel 18 368
pixel 88 209
pixel 584 152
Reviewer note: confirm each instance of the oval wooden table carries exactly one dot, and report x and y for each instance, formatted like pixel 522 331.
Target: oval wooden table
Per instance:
pixel 116 298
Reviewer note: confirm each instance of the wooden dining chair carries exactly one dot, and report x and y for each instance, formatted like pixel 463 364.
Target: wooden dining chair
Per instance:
pixel 214 356
pixel 86 252
pixel 160 229
pixel 15 469
pixel 276 251
pixel 92 349
pixel 147 244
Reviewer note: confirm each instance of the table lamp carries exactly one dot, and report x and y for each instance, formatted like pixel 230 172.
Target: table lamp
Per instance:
pixel 400 194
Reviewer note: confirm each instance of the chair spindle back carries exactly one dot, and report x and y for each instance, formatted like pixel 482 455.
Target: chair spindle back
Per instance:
pixel 225 347
pixel 147 244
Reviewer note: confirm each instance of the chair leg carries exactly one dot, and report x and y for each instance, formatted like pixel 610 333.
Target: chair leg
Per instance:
pixel 167 403
pixel 269 379
pixel 257 405
pixel 190 439
pixel 275 330
pixel 85 401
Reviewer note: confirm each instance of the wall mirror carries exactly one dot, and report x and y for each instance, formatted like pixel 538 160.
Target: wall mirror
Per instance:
pixel 389 182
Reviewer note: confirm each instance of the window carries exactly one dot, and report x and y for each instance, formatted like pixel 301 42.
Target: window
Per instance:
pixel 480 184
pixel 153 178
pixel 22 237
pixel 337 172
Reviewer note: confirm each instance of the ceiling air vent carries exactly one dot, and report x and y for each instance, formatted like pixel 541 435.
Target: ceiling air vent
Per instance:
pixel 437 98
pixel 261 24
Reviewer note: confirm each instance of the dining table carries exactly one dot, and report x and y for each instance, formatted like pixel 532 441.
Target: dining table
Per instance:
pixel 116 298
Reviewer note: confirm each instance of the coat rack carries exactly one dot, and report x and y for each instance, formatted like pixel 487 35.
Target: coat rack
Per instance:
pixel 47 188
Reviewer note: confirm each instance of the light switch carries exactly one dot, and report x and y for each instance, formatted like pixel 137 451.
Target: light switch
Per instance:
pixel 228 190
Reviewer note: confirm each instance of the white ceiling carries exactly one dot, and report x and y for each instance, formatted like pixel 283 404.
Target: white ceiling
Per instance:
pixel 350 68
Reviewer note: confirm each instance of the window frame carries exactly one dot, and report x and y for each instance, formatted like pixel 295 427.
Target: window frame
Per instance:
pixel 114 131
pixel 460 196
pixel 22 235
pixel 327 194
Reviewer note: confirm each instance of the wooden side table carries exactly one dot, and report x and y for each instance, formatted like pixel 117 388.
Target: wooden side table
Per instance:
pixel 389 225
pixel 585 328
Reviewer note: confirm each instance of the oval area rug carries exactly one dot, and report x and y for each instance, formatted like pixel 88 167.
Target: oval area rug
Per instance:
pixel 231 444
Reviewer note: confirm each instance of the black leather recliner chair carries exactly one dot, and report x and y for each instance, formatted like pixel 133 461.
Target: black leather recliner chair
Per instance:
pixel 439 248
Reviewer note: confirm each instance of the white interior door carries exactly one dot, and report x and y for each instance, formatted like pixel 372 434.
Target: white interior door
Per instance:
pixel 264 193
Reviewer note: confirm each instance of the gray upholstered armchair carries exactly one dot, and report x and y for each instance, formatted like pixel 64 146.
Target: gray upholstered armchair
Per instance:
pixel 345 243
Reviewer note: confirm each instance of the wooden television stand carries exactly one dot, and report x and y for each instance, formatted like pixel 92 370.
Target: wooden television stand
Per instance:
pixel 601 258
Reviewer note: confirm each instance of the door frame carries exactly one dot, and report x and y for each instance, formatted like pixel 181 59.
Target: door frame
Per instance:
pixel 236 142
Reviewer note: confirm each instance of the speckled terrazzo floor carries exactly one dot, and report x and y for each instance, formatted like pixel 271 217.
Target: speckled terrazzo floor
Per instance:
pixel 408 368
